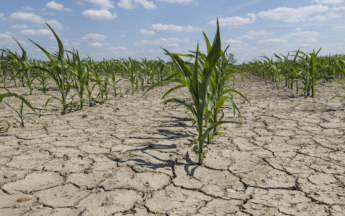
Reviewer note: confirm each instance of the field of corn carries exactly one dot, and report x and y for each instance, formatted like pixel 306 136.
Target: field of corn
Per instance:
pixel 195 135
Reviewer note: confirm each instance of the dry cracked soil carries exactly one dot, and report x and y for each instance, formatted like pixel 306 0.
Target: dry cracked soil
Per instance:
pixel 131 156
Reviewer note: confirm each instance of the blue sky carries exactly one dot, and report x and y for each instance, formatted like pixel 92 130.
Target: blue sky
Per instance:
pixel 138 28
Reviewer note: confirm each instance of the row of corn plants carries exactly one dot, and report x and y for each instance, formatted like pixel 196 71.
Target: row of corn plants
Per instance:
pixel 298 70
pixel 76 79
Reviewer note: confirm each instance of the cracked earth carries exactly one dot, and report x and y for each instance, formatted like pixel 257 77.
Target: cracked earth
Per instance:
pixel 130 156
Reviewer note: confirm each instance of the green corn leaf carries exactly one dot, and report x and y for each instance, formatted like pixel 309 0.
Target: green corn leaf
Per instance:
pixel 52 98
pixel 2 96
pixel 6 122
pixel 173 89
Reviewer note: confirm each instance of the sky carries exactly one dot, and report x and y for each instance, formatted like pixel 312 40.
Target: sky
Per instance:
pixel 141 28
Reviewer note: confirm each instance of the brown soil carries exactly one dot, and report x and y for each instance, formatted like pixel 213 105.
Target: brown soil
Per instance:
pixel 130 156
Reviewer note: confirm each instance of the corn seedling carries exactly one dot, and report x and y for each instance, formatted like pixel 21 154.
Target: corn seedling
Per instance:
pixel 129 67
pixel 20 113
pixel 21 118
pixel 197 81
pixel 80 76
pixel 42 76
pixel 58 72
pixel 4 69
pixel 24 66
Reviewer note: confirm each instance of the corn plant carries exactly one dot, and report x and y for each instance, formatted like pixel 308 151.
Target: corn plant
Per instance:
pixel 4 69
pixel 80 77
pixel 129 67
pixel 42 76
pixel 197 81
pixel 20 113
pixel 58 72
pixel 110 68
pixel 102 84
pixel 21 118
pixel 219 92
pixel 24 66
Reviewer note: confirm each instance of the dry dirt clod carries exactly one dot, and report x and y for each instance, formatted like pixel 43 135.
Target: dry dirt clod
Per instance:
pixel 25 198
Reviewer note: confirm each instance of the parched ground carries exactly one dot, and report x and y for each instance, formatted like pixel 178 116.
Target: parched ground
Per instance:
pixel 130 156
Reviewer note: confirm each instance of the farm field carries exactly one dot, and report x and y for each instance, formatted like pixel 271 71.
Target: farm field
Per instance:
pixel 131 156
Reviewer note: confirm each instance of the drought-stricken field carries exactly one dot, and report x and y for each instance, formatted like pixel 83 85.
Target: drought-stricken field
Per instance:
pixel 131 156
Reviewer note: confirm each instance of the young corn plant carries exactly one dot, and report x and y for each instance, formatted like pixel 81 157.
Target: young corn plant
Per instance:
pixel 219 90
pixel 42 76
pixel 129 67
pixel 102 84
pixel 80 75
pixel 4 69
pixel 197 82
pixel 58 72
pixel 20 113
pixel 24 66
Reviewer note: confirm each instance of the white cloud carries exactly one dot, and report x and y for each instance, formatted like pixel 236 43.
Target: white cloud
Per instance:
pixel 338 28
pixel 179 1
pixel 75 44
pixel 260 33
pixel 118 48
pixel 246 37
pixel 174 28
pixel 27 8
pixel 147 32
pixel 235 21
pixel 29 17
pixel 36 32
pixel 57 6
pixel 293 14
pixel 79 2
pixel 99 14
pixel 165 41
pixel 298 29
pixel 333 15
pixel 6 35
pixel 96 37
pixel 146 4
pixel 55 24
pixel 273 40
pixel 172 45
pixel 302 37
pixel 338 8
pixel 123 36
pixel 328 1
pixel 17 26
pixel 230 41
pixel 126 4
pixel 2 16
pixel 106 44
pixel 96 44
pixel 103 4
pixel 6 38
pixel 304 34
pixel 318 17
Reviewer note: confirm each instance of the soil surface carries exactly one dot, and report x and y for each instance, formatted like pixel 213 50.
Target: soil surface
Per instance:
pixel 131 156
